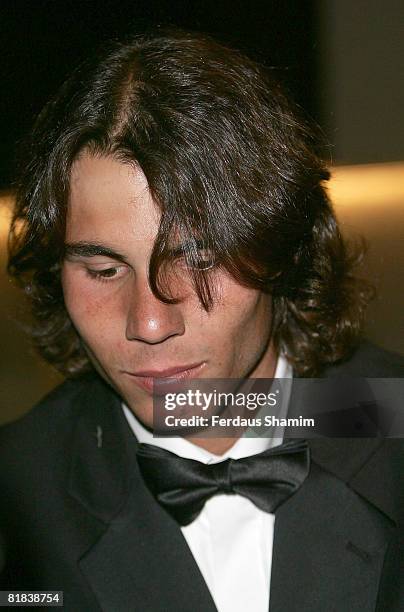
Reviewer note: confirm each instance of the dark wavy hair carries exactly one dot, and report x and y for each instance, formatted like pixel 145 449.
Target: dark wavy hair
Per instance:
pixel 231 166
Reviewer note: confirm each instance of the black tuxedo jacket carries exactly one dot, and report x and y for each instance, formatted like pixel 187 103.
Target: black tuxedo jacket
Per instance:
pixel 77 517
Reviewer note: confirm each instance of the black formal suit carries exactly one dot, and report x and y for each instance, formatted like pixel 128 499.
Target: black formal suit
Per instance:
pixel 77 517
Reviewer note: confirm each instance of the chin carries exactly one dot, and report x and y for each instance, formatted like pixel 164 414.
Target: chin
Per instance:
pixel 143 412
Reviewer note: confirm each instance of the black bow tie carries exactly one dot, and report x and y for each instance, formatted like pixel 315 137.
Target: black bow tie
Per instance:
pixel 182 486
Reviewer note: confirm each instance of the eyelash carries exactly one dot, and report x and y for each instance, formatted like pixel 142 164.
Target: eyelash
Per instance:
pixel 102 275
pixel 206 263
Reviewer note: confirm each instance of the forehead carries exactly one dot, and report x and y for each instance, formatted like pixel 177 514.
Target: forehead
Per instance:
pixel 109 199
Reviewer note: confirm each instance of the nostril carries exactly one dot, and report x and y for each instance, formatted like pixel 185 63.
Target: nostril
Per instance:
pixel 153 330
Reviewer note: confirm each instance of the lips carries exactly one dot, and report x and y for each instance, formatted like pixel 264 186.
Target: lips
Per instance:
pixel 146 379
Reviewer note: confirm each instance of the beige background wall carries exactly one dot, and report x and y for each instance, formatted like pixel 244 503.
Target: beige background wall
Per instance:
pixel 361 78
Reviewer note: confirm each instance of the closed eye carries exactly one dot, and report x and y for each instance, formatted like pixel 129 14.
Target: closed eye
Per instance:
pixel 107 274
pixel 205 259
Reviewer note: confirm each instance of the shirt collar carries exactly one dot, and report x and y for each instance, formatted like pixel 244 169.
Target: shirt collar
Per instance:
pixel 243 447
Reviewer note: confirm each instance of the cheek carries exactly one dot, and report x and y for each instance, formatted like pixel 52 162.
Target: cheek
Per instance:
pixel 241 318
pixel 88 310
pixel 245 309
pixel 80 302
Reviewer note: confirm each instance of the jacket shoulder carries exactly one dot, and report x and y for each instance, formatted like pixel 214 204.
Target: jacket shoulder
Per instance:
pixel 369 361
pixel 39 429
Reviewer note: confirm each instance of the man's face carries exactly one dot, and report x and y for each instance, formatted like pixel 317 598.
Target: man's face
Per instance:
pixel 129 334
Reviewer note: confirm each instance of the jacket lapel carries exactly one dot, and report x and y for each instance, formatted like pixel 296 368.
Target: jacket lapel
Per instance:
pixel 329 548
pixel 332 535
pixel 140 559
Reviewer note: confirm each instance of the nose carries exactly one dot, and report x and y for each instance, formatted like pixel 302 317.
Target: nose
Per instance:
pixel 151 321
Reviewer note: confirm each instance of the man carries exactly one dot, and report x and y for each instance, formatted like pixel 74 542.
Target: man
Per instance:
pixel 171 222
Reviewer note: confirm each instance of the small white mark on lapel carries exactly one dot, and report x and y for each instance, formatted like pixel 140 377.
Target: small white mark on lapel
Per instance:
pixel 98 435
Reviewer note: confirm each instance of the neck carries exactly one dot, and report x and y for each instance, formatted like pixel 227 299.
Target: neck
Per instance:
pixel 218 446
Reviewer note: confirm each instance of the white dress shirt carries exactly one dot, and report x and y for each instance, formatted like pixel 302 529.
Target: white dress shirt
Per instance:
pixel 231 539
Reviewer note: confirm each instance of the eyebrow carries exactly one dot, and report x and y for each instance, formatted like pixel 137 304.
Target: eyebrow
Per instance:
pixel 94 249
pixel 91 249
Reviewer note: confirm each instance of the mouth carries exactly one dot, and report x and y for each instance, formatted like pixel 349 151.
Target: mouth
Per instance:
pixel 164 380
